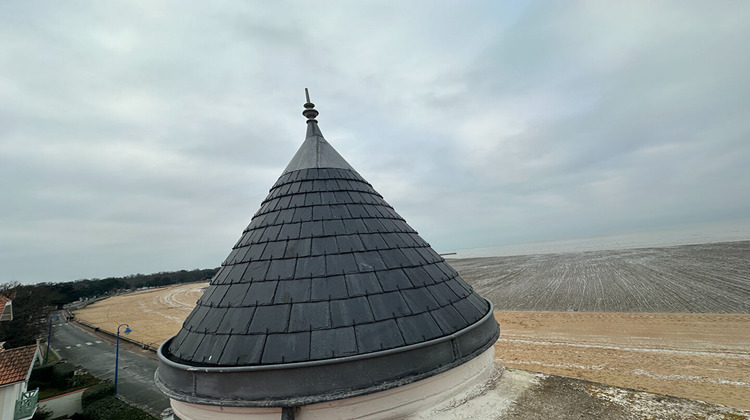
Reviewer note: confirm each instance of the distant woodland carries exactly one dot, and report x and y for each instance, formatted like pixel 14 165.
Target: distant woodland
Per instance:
pixel 33 303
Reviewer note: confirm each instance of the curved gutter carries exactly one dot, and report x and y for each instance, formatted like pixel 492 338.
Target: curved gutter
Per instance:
pixel 302 383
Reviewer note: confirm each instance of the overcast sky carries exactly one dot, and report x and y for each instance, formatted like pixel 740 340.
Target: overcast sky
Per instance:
pixel 142 136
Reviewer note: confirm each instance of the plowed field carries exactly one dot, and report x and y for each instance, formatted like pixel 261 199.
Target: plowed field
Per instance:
pixel 639 333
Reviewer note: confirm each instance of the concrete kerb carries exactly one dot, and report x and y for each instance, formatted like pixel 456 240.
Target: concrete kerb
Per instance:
pixel 114 335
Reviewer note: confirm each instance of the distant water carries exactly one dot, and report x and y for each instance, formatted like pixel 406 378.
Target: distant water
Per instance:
pixel 698 234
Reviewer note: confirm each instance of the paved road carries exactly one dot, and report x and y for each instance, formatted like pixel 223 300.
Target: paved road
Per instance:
pixel 96 355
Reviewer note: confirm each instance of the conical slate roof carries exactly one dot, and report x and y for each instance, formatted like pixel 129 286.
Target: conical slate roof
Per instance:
pixel 328 293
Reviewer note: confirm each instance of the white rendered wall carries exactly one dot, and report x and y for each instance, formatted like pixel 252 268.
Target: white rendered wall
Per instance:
pixel 397 403
pixel 64 405
pixel 8 396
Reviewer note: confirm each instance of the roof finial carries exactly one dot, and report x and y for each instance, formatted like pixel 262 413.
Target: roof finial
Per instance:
pixel 309 111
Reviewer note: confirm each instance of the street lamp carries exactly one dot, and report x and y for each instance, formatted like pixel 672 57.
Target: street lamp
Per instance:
pixel 49 336
pixel 117 352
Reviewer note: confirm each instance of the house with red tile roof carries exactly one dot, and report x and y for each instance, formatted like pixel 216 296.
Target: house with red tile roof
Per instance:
pixel 16 402
pixel 6 309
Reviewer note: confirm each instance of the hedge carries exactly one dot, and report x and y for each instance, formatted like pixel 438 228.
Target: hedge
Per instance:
pixel 111 408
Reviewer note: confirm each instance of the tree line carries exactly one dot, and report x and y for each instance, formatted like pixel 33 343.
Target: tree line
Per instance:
pixel 33 303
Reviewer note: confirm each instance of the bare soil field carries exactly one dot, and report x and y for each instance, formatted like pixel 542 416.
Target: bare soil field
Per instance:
pixel 708 278
pixel 702 357
pixel 638 331
pixel 154 315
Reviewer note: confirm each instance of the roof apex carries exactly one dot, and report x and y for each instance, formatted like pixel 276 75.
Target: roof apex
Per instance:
pixel 315 151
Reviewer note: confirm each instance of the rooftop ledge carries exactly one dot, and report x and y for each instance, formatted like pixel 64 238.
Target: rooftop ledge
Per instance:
pixel 302 383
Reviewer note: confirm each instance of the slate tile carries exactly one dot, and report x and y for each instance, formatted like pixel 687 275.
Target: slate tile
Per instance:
pixel 458 288
pixel 177 341
pixel 242 255
pixel 306 186
pixel 388 305
pixel 270 319
pixel 352 311
pixel 341 264
pixel 322 212
pixel 268 219
pixel 311 229
pixel 334 227
pixel 281 269
pixel 373 241
pixel 284 202
pixel 285 216
pixel 259 293
pixel 419 300
pixel 282 189
pixel 289 231
pixel 231 258
pixel 221 275
pixel 342 197
pixel 319 185
pixel 309 316
pixel 235 273
pixel 195 316
pixel 447 269
pixel 369 261
pixel 429 255
pixel 469 312
pixel 256 271
pixel 235 295
pixel 296 200
pixel 310 267
pixel 256 235
pixel 298 248
pixel 349 243
pixel 442 293
pixel 362 284
pixel 448 319
pixel 378 336
pixel 393 279
pixel 324 245
pixel 286 348
pixel 189 345
pixel 209 351
pixel 393 258
pixel 340 211
pixel 302 214
pixel 337 342
pixel 418 276
pixel 408 239
pixel 355 226
pixel 479 303
pixel 357 210
pixel 313 199
pixel 327 288
pixel 413 256
pixel 274 250
pixel 214 295
pixel 235 321
pixel 327 197
pixel 418 328
pixel 291 291
pixel 243 350
pixel 271 233
pixel 435 272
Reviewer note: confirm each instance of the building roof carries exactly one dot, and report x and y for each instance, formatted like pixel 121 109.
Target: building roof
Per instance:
pixel 326 276
pixel 16 363
pixel 6 309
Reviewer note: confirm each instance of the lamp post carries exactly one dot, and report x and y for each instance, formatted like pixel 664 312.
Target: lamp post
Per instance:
pixel 117 352
pixel 49 336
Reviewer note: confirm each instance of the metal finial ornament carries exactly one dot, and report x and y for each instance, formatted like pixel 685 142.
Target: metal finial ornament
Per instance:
pixel 310 112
